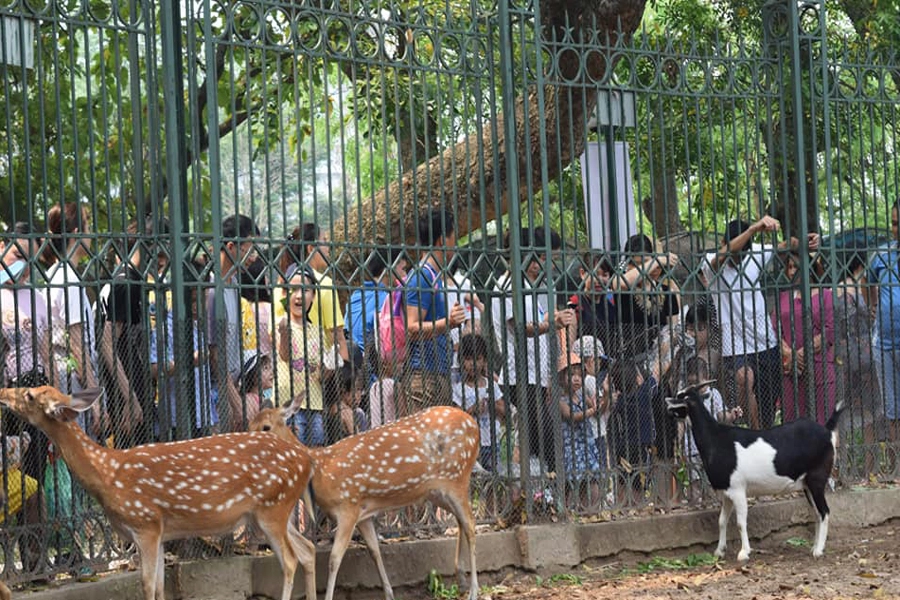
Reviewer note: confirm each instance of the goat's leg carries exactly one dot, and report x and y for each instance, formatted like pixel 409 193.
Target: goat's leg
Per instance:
pixel 724 515
pixel 370 537
pixel 739 499
pixel 812 504
pixel 342 536
pixel 306 554
pixel 822 513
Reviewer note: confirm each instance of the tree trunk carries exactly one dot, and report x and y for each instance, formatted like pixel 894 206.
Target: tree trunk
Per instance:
pixel 457 176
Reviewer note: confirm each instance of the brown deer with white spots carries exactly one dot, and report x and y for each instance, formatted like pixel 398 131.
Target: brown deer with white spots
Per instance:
pixel 429 455
pixel 160 492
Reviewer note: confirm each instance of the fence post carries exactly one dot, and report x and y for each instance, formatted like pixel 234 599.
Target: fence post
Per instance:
pixel 176 176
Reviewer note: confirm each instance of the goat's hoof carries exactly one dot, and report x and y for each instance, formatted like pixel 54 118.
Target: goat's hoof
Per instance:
pixel 743 556
pixel 719 553
pixel 818 553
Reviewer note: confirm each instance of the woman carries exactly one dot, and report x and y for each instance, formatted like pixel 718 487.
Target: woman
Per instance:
pixel 71 316
pixel 788 319
pixel 853 353
pixel 25 327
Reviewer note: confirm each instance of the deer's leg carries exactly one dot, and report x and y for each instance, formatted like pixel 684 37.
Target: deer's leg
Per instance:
pixel 161 573
pixel 457 502
pixel 150 547
pixel 5 594
pixel 345 525
pixel 367 529
pixel 275 524
pixel 306 553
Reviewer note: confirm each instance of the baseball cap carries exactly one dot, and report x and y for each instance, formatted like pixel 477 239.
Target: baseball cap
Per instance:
pixel 589 347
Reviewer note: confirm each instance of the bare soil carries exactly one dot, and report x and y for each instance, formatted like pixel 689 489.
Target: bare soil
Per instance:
pixel 859 562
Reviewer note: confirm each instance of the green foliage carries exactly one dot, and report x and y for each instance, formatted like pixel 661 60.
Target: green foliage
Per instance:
pixel 797 542
pixel 691 561
pixel 438 590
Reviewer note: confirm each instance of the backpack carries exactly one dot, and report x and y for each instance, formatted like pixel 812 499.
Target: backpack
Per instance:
pixel 391 323
pixel 391 338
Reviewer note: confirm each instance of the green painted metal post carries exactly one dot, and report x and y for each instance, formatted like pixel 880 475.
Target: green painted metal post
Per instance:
pixel 176 174
pixel 515 219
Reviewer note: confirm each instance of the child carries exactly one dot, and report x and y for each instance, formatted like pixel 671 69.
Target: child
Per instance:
pixel 381 393
pixel 697 370
pixel 479 395
pixel 596 385
pixel 631 427
pixel 579 450
pixel 344 417
pixel 299 371
pixel 256 383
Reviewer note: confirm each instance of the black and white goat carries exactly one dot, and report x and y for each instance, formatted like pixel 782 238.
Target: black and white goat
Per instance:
pixel 744 462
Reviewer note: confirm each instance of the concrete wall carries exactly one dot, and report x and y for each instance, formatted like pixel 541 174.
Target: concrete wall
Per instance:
pixel 530 547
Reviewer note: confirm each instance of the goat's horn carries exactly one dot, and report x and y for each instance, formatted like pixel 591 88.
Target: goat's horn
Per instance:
pixel 697 386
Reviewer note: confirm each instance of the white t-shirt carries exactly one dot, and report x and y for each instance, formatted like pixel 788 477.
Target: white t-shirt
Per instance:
pixel 465 396
pixel 68 304
pixel 381 403
pixel 537 348
pixel 740 304
pixel 598 425
pixel 715 406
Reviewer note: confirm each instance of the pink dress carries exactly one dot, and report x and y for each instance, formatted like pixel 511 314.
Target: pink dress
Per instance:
pixel 789 320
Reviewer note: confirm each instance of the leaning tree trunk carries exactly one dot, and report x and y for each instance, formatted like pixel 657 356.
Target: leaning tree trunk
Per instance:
pixel 460 174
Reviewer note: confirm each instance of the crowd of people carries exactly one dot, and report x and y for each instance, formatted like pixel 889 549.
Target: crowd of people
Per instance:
pixel 564 377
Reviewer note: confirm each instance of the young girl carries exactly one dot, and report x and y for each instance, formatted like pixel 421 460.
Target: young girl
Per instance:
pixel 300 359
pixel 255 383
pixel 381 393
pixel 696 371
pixel 480 395
pixel 579 449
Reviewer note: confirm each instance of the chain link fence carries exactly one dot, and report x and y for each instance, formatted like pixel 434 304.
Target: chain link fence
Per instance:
pixel 262 208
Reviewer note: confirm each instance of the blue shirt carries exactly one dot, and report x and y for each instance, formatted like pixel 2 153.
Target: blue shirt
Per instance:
pixel 206 411
pixel 361 309
pixel 884 272
pixel 424 289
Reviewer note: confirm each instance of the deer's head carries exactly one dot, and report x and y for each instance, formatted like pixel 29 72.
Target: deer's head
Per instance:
pixel 679 407
pixel 43 404
pixel 275 421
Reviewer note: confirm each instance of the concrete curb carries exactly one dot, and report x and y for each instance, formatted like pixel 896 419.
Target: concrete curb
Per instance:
pixel 530 547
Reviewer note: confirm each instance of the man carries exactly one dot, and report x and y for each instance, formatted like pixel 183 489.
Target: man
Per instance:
pixel 124 345
pixel 225 357
pixel 426 376
pixel 749 344
pixel 535 411
pixel 884 302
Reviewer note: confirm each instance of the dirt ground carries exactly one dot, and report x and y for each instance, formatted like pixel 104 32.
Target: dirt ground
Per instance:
pixel 858 563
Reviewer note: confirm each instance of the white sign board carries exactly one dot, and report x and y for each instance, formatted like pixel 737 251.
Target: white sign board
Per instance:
pixel 597 197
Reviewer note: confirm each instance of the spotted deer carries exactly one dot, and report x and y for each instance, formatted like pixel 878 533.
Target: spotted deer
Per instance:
pixel 429 455
pixel 160 492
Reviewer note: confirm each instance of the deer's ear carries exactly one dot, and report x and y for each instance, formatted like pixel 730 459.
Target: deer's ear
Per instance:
pixel 83 400
pixel 289 411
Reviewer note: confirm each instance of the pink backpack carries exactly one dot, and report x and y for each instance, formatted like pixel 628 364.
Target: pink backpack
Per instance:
pixel 392 328
pixel 391 338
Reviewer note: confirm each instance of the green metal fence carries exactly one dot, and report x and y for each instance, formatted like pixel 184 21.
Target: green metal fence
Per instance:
pixel 552 132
